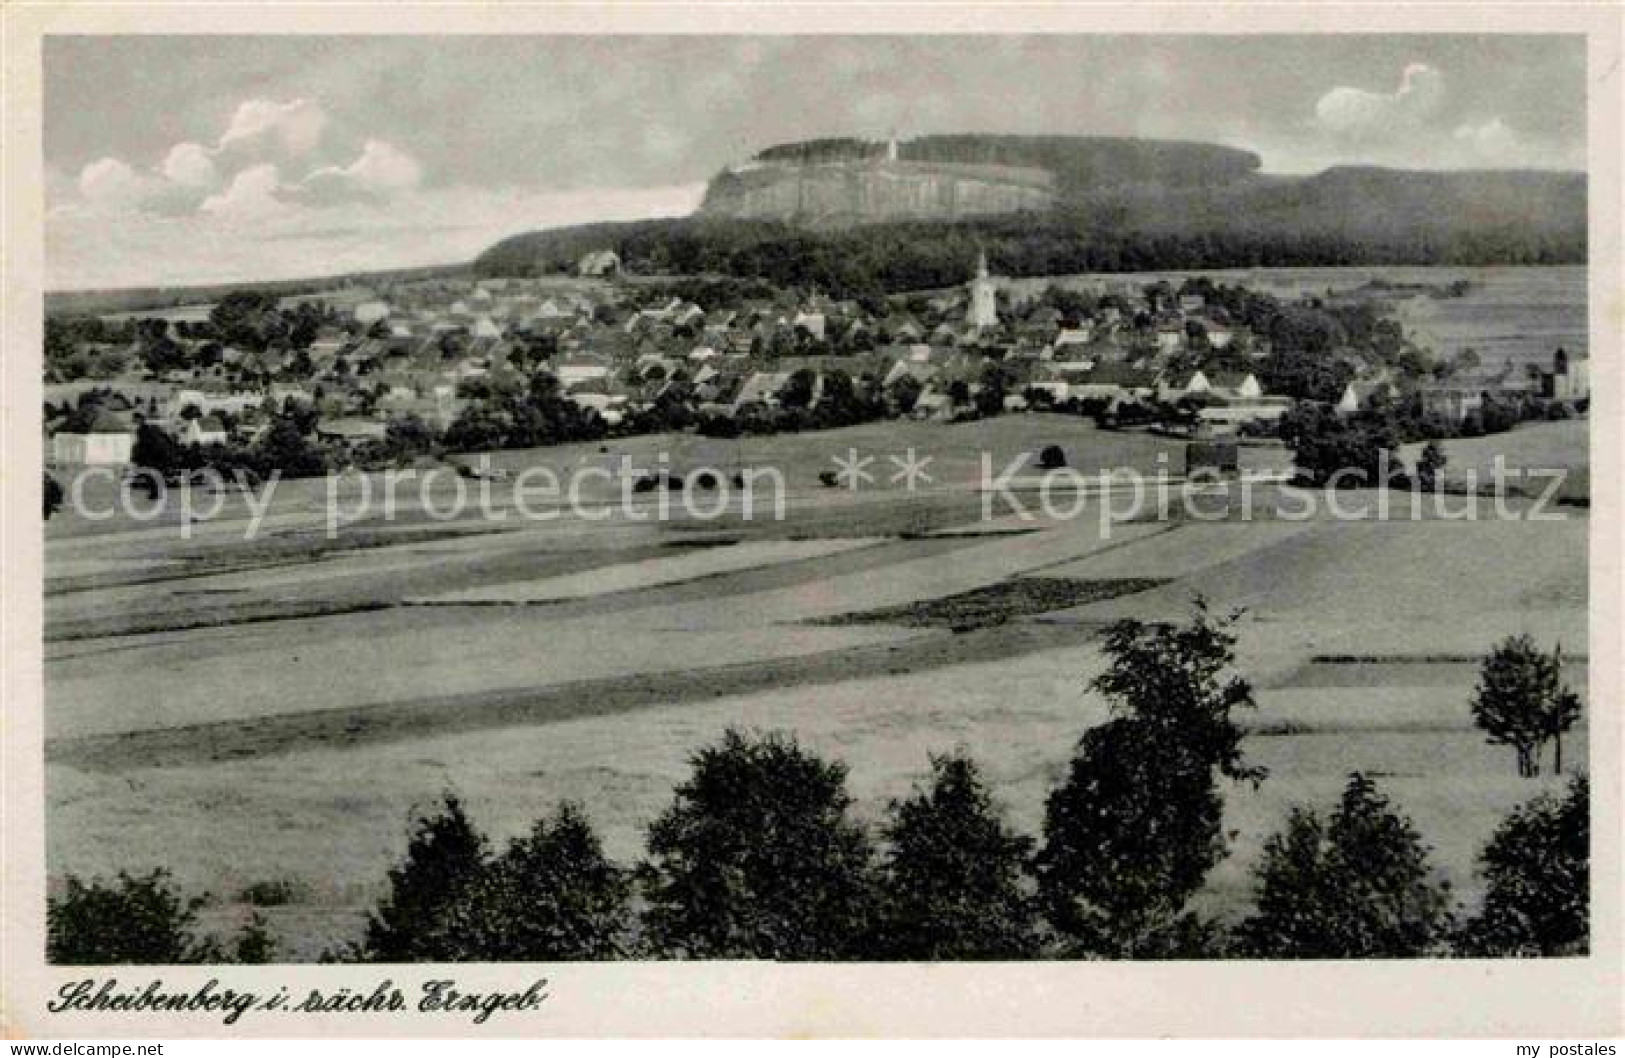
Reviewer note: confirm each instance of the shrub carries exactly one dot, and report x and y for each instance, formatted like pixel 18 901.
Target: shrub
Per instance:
pixel 1537 869
pixel 134 919
pixel 254 946
pixel 273 893
pixel 551 896
pixel 1051 458
pixel 445 854
pixel 1430 466
pixel 757 857
pixel 1358 886
pixel 954 881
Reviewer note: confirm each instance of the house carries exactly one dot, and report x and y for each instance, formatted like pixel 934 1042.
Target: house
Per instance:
pixel 599 263
pixel 216 399
pixel 1111 380
pixel 370 312
pixel 1569 378
pixel 1453 401
pixel 1357 396
pixel 107 439
pixel 611 407
pixel 934 404
pixel 205 430
pixel 1176 385
pixel 761 387
pixel 1235 385
pixel 921 371
pixel 350 432
pixel 813 323
pixel 577 372
pixel 1074 338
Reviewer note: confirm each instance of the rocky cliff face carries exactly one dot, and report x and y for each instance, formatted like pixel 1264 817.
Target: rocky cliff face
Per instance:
pixel 838 182
pixel 837 193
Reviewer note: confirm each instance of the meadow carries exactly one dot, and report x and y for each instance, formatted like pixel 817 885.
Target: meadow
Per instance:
pixel 267 715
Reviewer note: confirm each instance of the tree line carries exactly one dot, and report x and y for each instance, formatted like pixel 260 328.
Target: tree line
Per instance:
pixel 760 855
pixel 899 256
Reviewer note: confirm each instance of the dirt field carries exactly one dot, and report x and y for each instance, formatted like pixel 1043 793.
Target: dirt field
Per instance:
pixel 267 711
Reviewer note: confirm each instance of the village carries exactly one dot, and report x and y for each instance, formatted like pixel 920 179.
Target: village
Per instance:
pixel 371 375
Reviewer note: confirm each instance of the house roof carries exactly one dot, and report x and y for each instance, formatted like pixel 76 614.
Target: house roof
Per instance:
pixel 1114 373
pixel 109 422
pixel 1228 379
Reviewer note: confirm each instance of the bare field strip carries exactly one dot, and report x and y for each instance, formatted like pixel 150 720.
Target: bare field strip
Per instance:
pixel 407 719
pixel 996 603
pixel 647 573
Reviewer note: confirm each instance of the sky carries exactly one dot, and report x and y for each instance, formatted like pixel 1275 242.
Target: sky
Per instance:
pixel 190 159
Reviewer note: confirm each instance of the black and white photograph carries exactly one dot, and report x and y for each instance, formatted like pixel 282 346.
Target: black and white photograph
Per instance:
pixel 845 498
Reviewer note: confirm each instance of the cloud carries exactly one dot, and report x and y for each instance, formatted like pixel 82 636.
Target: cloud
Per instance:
pixel 111 184
pixel 1492 140
pixel 1354 113
pixel 259 134
pixel 296 127
pixel 191 165
pixel 218 245
pixel 251 194
pixel 381 170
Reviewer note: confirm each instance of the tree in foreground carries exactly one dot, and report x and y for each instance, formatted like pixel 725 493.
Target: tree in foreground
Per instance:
pixel 757 857
pixel 134 919
pixel 551 896
pixel 1537 870
pixel 1522 702
pixel 1356 886
pixel 1133 830
pixel 444 856
pixel 139 919
pixel 955 879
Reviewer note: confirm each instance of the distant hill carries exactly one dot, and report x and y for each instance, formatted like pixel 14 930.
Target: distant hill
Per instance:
pixel 153 299
pixel 843 215
pixel 840 182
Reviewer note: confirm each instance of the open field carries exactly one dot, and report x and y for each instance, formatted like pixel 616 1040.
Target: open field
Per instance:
pixel 259 711
pixel 1533 456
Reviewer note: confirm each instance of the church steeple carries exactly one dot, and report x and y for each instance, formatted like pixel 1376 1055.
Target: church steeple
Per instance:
pixel 984 298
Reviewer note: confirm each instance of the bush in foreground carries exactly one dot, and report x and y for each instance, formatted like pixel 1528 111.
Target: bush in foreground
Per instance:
pixel 551 896
pixel 137 919
pixel 758 857
pixel 444 856
pixel 1356 886
pixel 954 882
pixel 1537 867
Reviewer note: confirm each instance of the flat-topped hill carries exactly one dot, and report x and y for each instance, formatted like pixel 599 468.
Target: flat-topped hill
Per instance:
pixel 836 182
